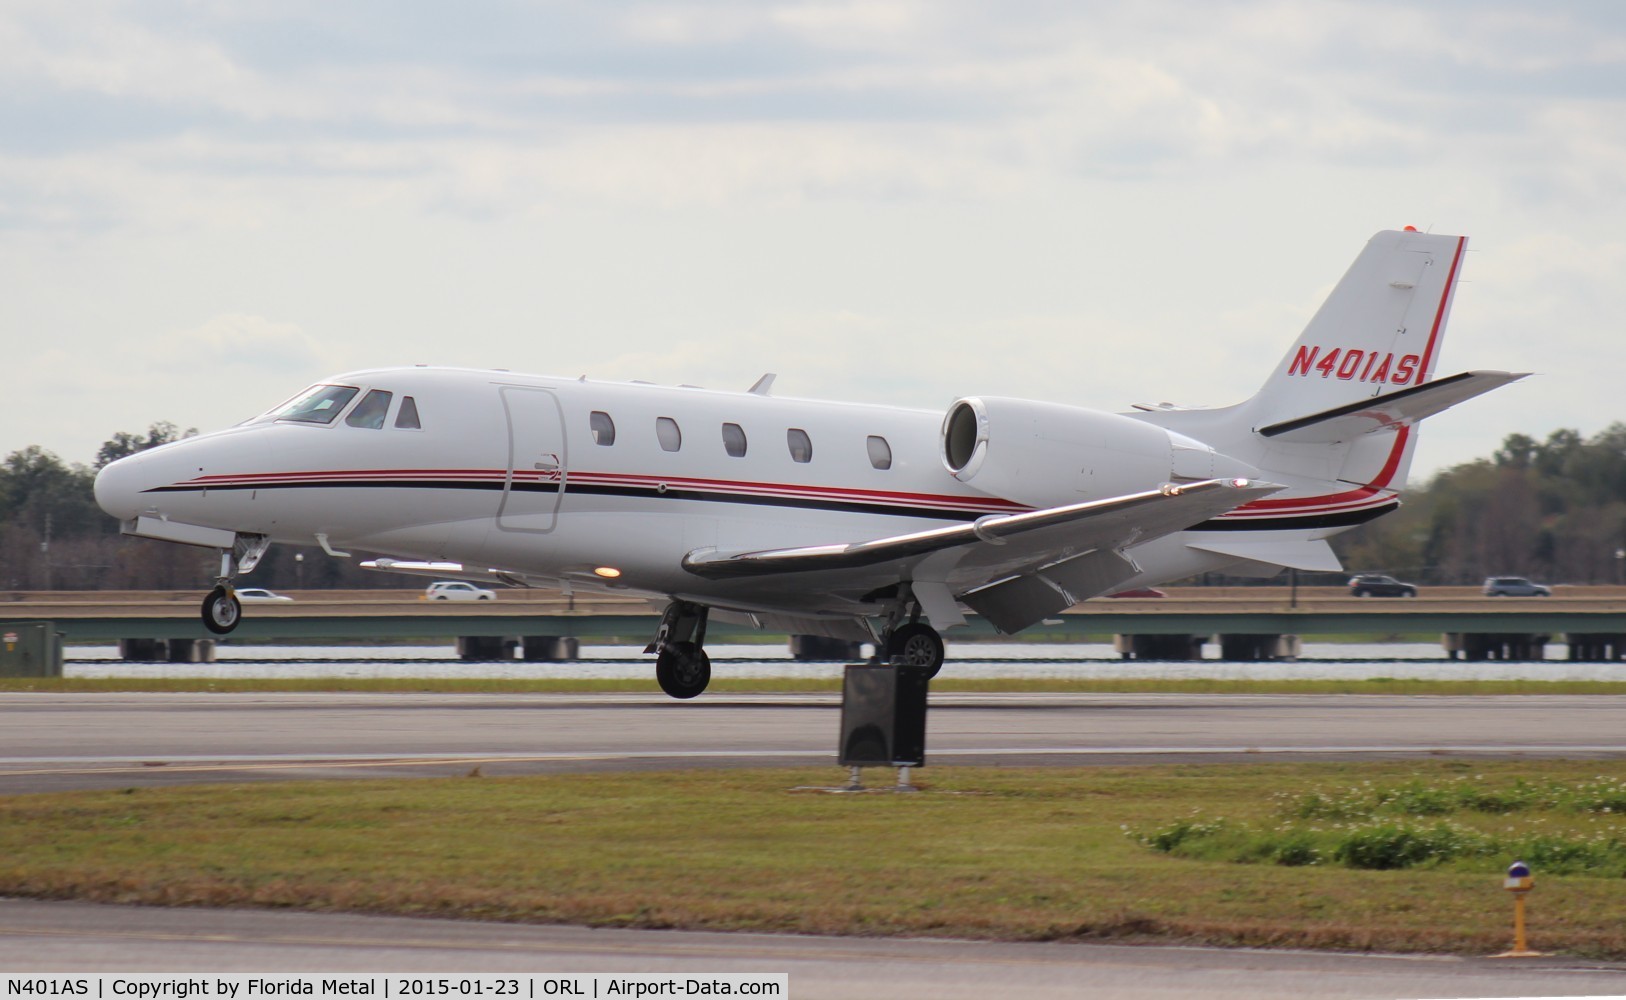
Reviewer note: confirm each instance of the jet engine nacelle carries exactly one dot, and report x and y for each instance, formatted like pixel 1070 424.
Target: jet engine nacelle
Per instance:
pixel 1048 454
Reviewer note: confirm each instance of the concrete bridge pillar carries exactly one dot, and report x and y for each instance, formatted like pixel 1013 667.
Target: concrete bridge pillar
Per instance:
pixel 550 648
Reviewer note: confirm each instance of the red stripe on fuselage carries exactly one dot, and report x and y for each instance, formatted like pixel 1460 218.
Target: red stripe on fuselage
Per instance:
pixel 339 477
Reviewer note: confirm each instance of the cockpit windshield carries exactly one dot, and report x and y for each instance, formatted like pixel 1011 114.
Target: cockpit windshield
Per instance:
pixel 317 405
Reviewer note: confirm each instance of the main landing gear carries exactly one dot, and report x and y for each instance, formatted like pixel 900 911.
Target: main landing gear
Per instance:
pixel 681 665
pixel 221 609
pixel 912 643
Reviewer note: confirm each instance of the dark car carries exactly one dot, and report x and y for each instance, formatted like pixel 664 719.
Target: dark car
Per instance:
pixel 1514 586
pixel 1379 585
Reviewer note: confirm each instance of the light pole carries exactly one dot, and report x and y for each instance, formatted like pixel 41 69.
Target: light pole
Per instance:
pixel 299 570
pixel 1620 566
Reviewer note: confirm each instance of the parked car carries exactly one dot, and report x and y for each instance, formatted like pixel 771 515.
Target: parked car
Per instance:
pixel 1514 586
pixel 259 595
pixel 457 590
pixel 1379 585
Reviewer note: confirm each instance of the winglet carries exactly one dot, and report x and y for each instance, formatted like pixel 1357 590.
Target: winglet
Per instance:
pixel 761 386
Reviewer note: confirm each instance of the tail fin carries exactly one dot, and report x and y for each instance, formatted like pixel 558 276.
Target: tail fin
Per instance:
pixel 1379 330
pixel 1334 420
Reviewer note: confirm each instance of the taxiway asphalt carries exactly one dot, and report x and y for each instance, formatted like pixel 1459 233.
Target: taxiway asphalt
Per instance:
pixel 43 937
pixel 64 741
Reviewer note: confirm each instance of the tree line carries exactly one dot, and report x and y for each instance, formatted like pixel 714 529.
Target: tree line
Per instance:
pixel 1553 510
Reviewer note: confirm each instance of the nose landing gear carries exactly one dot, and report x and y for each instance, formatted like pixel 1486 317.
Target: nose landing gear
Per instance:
pixel 221 609
pixel 682 667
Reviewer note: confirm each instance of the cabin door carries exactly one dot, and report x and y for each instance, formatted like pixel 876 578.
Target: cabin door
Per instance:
pixel 535 484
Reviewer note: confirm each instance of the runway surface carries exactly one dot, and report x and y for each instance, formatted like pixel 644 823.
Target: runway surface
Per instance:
pixel 81 937
pixel 128 740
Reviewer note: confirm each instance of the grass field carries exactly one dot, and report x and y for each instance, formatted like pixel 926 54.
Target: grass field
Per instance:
pixel 1172 853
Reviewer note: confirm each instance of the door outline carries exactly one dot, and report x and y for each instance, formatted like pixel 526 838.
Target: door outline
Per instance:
pixel 537 460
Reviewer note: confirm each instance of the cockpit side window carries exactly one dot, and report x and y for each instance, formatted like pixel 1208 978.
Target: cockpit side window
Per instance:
pixel 407 419
pixel 370 412
pixel 317 405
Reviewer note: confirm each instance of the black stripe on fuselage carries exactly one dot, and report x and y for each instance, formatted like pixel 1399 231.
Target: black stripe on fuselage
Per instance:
pixel 633 492
pixel 1286 522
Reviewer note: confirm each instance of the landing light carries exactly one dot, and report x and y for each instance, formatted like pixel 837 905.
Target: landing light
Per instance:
pixel 607 572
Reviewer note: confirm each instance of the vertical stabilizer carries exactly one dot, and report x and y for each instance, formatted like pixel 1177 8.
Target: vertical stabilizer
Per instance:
pixel 1377 332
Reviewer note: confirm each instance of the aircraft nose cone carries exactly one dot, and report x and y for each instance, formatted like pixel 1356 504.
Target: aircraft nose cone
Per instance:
pixel 118 488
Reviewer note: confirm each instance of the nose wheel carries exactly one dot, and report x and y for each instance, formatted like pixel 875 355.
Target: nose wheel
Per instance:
pixel 222 610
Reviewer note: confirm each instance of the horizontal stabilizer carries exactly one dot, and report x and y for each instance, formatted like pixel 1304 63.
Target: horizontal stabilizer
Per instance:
pixel 1389 411
pixel 1312 554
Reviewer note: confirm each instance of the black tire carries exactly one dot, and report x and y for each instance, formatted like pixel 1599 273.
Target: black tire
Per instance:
pixel 221 610
pixel 1363 593
pixel 916 645
pixel 683 670
pixel 1411 592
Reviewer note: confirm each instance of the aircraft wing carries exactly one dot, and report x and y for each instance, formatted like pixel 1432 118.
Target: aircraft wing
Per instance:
pixel 1014 569
pixel 1390 410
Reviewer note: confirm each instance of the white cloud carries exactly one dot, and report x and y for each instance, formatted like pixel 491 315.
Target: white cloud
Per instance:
pixel 889 199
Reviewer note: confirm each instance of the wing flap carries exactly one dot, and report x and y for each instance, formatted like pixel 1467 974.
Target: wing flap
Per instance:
pixel 1013 604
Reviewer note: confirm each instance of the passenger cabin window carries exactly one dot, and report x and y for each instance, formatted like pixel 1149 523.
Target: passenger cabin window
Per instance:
pixel 801 446
pixel 602 426
pixel 370 412
pixel 666 430
pixel 880 453
pixel 734 440
pixel 317 405
pixel 407 419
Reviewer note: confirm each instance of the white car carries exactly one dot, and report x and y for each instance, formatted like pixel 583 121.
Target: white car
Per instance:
pixel 259 595
pixel 457 590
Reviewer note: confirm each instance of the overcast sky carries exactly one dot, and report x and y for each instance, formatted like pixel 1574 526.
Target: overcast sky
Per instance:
pixel 206 206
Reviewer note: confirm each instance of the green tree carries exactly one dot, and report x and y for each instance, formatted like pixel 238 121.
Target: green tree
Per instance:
pixel 124 443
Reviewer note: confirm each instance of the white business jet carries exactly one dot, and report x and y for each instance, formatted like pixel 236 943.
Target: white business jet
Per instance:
pixel 852 521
